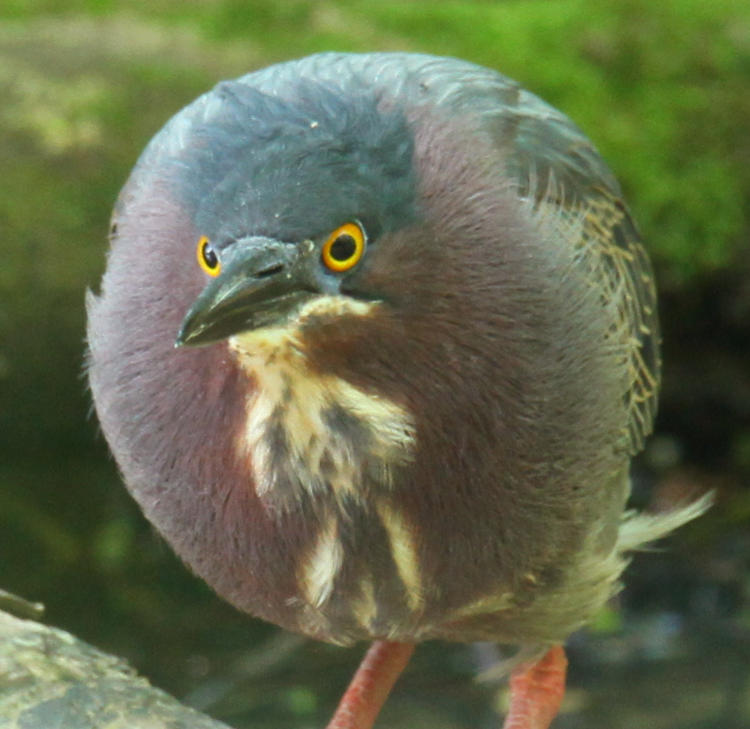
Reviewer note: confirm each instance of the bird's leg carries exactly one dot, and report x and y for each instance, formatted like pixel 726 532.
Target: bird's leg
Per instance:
pixel 373 681
pixel 537 691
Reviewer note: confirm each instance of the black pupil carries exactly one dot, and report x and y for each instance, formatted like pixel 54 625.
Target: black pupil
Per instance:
pixel 209 256
pixel 343 248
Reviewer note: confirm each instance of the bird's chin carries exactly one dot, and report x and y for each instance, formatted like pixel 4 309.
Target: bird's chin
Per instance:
pixel 273 328
pixel 299 310
pixel 333 306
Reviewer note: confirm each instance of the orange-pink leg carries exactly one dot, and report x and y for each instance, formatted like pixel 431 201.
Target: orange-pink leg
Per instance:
pixel 536 692
pixel 373 681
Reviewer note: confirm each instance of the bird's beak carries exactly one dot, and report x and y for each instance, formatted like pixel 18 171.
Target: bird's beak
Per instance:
pixel 262 281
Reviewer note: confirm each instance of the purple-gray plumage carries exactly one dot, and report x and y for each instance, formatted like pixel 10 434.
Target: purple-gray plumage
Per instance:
pixel 429 350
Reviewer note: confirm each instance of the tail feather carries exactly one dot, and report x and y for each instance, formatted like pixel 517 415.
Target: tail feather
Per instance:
pixel 639 529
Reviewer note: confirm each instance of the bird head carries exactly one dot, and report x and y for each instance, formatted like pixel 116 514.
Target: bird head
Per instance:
pixel 291 198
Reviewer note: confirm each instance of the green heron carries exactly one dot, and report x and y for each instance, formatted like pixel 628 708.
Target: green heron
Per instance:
pixel 417 346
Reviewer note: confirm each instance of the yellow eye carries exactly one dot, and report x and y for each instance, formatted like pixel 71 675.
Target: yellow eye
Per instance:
pixel 344 247
pixel 207 258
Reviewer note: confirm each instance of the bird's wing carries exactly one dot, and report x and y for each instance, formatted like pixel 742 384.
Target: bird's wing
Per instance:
pixel 556 164
pixel 553 161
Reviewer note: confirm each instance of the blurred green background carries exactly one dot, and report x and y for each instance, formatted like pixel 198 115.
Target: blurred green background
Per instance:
pixel 662 88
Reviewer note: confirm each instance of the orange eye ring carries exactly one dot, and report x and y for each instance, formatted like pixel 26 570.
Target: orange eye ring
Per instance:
pixel 207 258
pixel 344 248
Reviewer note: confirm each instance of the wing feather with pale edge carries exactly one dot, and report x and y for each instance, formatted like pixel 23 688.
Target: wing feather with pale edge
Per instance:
pixel 556 163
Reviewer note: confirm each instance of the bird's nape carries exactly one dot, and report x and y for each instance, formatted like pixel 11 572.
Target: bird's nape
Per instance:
pixel 420 348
